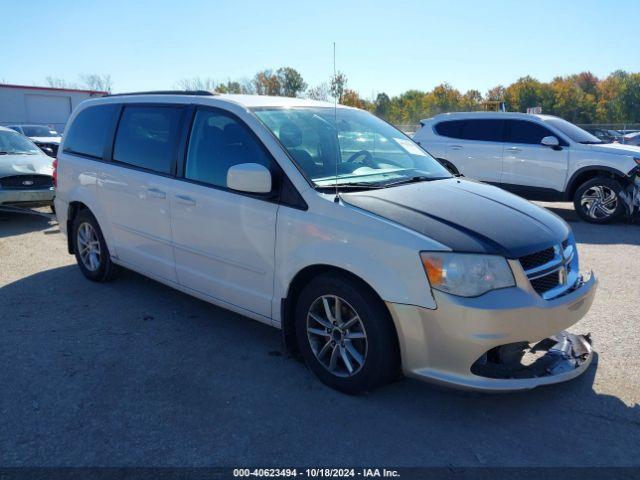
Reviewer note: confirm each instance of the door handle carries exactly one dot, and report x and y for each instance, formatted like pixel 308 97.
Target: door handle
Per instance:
pixel 455 147
pixel 185 200
pixel 514 149
pixel 155 193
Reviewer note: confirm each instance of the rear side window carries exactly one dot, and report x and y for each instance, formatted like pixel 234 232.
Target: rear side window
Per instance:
pixel 88 133
pixel 219 141
pixel 147 137
pixel 522 131
pixel 450 129
pixel 483 130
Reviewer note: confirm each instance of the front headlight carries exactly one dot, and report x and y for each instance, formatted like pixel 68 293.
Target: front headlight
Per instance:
pixel 466 274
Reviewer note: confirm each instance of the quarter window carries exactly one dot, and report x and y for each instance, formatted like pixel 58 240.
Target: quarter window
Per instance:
pixel 87 134
pixel 147 137
pixel 522 131
pixel 218 142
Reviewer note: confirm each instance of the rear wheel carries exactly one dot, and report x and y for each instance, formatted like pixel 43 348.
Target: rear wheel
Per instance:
pixel 598 200
pixel 345 334
pixel 90 248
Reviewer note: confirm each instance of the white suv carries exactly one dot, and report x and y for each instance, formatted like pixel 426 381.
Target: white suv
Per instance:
pixel 539 157
pixel 329 224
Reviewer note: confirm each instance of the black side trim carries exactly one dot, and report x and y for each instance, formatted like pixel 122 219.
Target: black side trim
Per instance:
pixel 533 193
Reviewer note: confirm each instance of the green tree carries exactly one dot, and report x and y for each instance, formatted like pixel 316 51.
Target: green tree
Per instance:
pixel 291 82
pixel 382 106
pixel 337 85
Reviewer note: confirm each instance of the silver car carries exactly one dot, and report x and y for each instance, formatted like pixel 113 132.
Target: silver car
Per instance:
pixel 26 173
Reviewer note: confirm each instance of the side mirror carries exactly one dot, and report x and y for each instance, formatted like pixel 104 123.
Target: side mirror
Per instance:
pixel 249 177
pixel 550 141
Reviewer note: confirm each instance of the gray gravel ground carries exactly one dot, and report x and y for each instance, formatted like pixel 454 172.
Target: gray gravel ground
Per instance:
pixel 133 373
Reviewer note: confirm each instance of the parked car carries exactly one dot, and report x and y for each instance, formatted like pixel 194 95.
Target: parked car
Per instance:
pixel 606 135
pixel 631 139
pixel 540 157
pixel 25 172
pixel 44 137
pixel 329 224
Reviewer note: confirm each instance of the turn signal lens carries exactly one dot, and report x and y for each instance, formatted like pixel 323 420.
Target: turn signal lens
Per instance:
pixel 433 268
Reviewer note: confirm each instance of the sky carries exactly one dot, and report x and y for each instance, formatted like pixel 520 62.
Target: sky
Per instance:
pixel 382 46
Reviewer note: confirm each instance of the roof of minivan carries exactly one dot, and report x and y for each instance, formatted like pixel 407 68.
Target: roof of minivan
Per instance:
pixel 461 115
pixel 247 101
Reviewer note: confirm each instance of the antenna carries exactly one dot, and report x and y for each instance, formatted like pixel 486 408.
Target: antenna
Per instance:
pixel 335 123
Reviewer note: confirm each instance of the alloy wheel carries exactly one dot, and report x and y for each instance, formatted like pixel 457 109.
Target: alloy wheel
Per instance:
pixel 88 246
pixel 337 336
pixel 599 202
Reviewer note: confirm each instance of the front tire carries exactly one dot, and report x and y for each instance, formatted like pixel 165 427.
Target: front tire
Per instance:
pixel 90 248
pixel 345 334
pixel 598 200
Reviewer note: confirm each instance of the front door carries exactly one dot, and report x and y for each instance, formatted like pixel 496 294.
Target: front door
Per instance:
pixel 224 240
pixel 530 168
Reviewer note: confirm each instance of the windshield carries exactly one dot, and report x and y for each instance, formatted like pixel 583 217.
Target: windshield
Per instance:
pixel 368 150
pixel 14 143
pixel 572 131
pixel 38 131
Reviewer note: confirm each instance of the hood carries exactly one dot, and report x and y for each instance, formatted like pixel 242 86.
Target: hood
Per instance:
pixel 619 148
pixel 25 164
pixel 55 140
pixel 466 216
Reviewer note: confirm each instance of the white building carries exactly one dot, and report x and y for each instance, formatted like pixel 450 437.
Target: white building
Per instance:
pixel 21 104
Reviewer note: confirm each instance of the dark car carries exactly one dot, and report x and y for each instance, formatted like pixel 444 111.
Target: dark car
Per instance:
pixel 43 136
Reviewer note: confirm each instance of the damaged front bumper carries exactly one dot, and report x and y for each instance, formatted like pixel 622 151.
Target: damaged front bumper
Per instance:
pixel 493 342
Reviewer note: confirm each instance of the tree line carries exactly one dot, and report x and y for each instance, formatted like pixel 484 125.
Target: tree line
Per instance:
pixel 582 98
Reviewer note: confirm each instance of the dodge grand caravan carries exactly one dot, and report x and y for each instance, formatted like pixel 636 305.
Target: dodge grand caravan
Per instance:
pixel 540 157
pixel 331 225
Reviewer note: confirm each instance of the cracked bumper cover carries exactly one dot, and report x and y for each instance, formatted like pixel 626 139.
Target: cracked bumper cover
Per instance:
pixel 445 344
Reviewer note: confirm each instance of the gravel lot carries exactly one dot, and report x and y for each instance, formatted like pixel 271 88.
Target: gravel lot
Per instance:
pixel 133 373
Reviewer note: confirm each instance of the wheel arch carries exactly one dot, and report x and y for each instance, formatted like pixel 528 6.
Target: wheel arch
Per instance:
pixel 587 173
pixel 73 209
pixel 300 279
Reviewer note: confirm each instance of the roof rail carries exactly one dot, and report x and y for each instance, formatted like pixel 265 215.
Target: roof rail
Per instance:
pixel 165 92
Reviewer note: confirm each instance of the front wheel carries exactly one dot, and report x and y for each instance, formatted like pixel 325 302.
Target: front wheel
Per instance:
pixel 345 334
pixel 598 200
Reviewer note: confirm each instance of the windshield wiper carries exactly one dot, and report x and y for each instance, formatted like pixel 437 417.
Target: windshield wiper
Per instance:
pixel 416 179
pixel 591 142
pixel 349 186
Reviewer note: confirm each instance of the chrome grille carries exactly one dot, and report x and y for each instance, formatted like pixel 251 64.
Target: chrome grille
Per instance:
pixel 545 283
pixel 553 271
pixel 26 182
pixel 538 258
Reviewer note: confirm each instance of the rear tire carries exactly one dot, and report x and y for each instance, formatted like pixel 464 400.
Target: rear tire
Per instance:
pixel 598 200
pixel 90 248
pixel 351 351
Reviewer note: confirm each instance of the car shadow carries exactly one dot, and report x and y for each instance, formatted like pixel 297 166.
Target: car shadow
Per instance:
pixel 135 373
pixel 18 223
pixel 622 232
